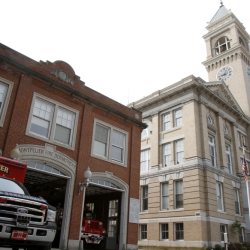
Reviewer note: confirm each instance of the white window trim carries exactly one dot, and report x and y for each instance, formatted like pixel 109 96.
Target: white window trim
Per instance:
pixel 222 197
pixel 161 232
pixel 7 99
pixel 170 121
pixel 141 232
pixel 175 195
pixel 176 153
pixel 143 211
pixel 231 158
pixel 147 160
pixel 238 201
pixel 215 152
pixel 50 139
pixel 225 230
pixel 164 162
pixel 174 114
pixel 175 231
pixel 108 159
pixel 164 209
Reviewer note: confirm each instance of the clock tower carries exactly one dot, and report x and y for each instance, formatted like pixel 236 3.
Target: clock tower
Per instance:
pixel 228 55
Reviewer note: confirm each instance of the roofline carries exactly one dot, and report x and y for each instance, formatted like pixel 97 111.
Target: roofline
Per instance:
pixel 69 90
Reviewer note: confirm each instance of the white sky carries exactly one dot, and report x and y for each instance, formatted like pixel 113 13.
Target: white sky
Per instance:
pixel 122 49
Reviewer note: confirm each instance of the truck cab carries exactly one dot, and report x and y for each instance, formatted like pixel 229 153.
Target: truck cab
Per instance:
pixel 92 229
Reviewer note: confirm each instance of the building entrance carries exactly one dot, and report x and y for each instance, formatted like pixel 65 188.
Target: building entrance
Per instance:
pixel 51 184
pixel 104 199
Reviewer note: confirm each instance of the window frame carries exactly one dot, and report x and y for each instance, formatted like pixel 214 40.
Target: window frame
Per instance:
pixel 175 119
pixel 147 160
pixel 229 154
pixel 166 231
pixel 109 157
pixel 4 107
pixel 223 225
pixel 241 234
pixel 143 231
pixel 175 194
pixel 214 147
pixel 175 231
pixel 52 128
pixel 219 187
pixel 176 153
pixel 142 198
pixel 164 156
pixel 168 122
pixel 238 201
pixel 167 195
pixel 218 46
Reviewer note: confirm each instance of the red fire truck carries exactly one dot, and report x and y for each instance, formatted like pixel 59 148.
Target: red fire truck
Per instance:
pixel 25 221
pixel 92 229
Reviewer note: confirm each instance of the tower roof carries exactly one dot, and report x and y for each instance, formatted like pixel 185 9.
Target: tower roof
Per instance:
pixel 222 11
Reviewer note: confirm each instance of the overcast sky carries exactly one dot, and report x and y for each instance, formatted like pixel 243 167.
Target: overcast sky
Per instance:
pixel 122 49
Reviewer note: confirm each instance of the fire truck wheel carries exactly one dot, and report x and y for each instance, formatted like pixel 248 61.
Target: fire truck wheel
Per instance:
pixel 15 248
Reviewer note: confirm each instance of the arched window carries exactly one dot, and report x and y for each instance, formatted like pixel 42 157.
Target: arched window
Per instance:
pixel 241 42
pixel 144 133
pixel 222 45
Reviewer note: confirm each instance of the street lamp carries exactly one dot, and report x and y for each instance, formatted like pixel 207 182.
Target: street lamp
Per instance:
pixel 15 153
pixel 87 175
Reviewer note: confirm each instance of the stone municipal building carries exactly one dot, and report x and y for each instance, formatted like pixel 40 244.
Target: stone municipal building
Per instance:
pixel 191 185
pixel 62 127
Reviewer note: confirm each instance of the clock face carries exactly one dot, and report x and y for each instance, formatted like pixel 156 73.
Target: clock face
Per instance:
pixel 225 73
pixel 248 72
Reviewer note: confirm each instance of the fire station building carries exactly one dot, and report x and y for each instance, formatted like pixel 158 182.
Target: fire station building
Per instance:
pixel 62 127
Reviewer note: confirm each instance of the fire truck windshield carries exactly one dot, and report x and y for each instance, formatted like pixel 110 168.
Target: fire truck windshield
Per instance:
pixel 11 186
pixel 88 215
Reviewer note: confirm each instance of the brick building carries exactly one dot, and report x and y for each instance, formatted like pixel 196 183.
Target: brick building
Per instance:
pixel 192 189
pixel 61 127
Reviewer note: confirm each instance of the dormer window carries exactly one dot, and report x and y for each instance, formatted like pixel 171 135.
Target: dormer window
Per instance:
pixel 222 45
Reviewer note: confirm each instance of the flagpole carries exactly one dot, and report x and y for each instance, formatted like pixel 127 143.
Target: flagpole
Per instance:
pixel 244 146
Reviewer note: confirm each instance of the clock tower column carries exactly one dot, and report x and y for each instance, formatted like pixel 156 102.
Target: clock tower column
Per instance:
pixel 228 55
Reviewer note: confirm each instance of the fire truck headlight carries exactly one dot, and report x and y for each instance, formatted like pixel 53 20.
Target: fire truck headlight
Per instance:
pixel 51 216
pixel 103 231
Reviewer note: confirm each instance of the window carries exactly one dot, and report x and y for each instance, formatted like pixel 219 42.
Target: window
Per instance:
pixel 212 150
pixel 164 196
pixel 219 196
pixel 237 201
pixel 109 143
pixel 164 231
pixel 179 232
pixel 223 229
pixel 167 154
pixel 143 232
pixel 241 235
pixel 166 121
pixel 178 194
pixel 52 121
pixel 178 118
pixel 241 42
pixel 209 120
pixel 144 198
pixel 145 160
pixel 241 139
pixel 179 151
pixel 113 208
pixel 229 159
pixel 5 93
pixel 222 45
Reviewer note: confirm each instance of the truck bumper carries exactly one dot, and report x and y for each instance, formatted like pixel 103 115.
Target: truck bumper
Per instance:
pixel 92 238
pixel 40 235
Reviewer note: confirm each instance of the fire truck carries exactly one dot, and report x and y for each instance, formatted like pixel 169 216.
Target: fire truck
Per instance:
pixel 25 221
pixel 92 229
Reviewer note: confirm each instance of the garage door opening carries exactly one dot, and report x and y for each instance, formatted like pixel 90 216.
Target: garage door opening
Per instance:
pixel 51 184
pixel 104 199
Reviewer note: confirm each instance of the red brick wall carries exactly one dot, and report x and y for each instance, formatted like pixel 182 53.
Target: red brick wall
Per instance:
pixel 16 120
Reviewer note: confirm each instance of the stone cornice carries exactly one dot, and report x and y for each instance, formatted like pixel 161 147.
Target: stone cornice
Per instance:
pixel 183 168
pixel 231 52
pixel 69 90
